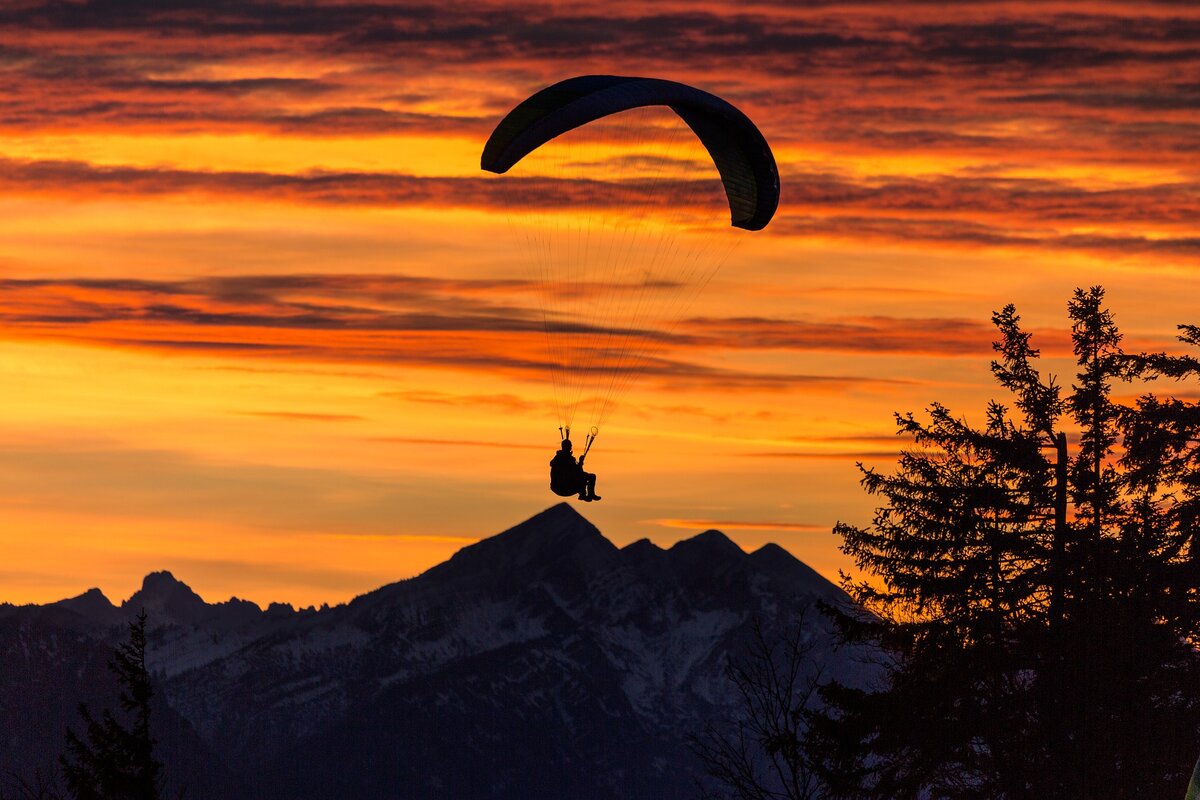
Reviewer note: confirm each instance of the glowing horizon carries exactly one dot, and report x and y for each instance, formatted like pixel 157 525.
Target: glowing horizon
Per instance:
pixel 265 325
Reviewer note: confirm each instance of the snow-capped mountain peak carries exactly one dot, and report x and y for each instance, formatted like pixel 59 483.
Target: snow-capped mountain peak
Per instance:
pixel 542 661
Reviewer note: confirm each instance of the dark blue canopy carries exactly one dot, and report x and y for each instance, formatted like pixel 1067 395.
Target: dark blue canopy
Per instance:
pixel 741 154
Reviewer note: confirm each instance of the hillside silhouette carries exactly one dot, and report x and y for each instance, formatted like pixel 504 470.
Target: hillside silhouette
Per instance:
pixel 540 662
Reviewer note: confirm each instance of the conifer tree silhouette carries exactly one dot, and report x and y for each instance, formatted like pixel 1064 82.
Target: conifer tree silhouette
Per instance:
pixel 114 758
pixel 1037 607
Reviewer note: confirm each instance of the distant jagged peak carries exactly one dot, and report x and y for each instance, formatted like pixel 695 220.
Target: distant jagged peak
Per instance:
pixel 641 544
pixel 169 601
pixel 771 553
pixel 773 559
pixel 709 542
pixel 558 528
pixel 642 548
pixel 556 515
pixel 161 589
pixel 274 609
pixel 162 578
pixel 92 604
pixel 560 532
pixel 93 595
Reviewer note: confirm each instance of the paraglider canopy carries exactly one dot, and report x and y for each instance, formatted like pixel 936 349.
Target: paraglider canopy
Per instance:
pixel 614 193
pixel 738 149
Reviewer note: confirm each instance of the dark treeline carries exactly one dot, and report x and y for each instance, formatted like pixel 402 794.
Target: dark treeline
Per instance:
pixel 1033 589
pixel 112 758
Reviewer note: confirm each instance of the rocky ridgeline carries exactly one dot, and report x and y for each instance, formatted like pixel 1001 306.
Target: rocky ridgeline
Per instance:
pixel 541 662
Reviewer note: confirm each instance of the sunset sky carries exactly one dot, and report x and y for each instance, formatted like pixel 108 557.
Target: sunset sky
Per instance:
pixel 264 324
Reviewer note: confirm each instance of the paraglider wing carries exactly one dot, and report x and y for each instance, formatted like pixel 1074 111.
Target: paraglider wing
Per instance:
pixel 741 154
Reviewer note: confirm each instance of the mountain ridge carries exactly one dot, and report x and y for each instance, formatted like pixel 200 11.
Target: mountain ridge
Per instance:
pixel 167 593
pixel 555 658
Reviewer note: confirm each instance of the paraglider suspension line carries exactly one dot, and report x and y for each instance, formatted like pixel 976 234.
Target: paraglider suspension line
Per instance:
pixel 587 445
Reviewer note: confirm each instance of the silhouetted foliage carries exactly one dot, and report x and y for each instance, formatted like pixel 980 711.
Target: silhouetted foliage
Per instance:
pixel 114 758
pixel 40 787
pixel 759 755
pixel 1040 606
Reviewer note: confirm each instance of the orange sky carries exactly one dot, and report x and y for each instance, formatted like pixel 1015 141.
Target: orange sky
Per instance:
pixel 265 324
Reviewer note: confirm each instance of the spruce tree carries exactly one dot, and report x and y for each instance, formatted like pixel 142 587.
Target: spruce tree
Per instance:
pixel 1037 608
pixel 114 758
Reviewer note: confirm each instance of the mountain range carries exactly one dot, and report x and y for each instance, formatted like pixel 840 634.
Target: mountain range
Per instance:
pixel 543 662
